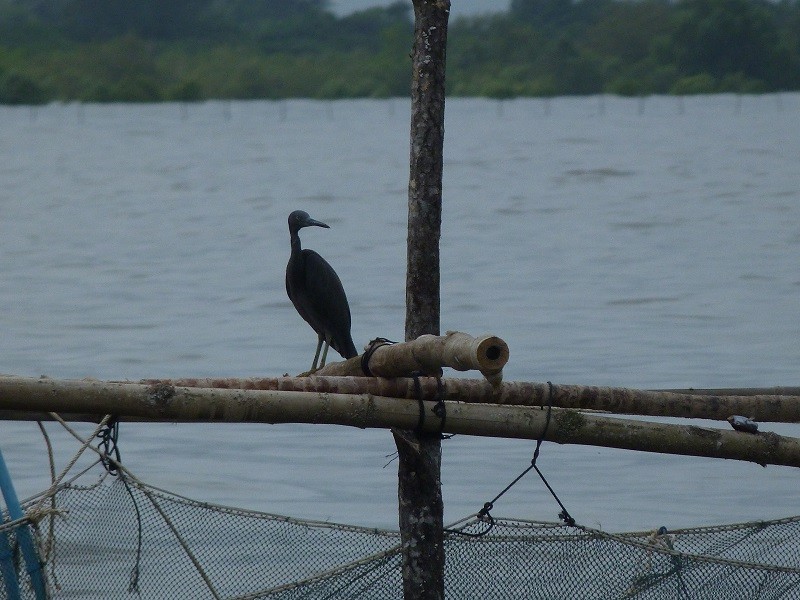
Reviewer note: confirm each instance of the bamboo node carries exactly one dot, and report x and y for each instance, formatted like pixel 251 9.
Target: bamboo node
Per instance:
pixel 160 393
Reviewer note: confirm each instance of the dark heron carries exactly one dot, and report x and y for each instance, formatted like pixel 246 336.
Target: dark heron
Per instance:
pixel 317 293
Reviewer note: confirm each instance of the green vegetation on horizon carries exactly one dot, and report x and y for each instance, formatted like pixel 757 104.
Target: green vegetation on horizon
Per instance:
pixel 155 50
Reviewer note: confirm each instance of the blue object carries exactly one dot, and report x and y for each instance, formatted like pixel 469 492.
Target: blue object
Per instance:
pixel 34 567
pixel 7 567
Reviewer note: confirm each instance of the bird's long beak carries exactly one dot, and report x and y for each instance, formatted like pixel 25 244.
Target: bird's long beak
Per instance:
pixel 317 223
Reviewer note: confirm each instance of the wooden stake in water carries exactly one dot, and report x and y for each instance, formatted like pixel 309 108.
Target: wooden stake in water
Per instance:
pixel 420 454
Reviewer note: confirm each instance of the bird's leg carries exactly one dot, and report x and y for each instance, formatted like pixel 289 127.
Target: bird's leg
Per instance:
pixel 325 353
pixel 320 339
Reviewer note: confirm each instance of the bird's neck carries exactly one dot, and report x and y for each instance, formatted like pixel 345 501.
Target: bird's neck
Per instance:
pixel 295 241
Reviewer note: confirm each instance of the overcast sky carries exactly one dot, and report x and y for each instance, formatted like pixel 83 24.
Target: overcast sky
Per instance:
pixel 457 7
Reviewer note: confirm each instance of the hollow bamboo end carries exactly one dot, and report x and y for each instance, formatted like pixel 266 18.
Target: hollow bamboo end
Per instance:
pixel 492 353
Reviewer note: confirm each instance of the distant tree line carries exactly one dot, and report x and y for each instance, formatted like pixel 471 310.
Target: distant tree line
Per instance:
pixel 154 50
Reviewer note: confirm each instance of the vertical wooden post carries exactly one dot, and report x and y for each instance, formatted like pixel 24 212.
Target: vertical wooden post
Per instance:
pixel 420 456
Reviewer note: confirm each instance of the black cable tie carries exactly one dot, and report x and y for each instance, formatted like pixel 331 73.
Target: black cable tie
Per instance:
pixel 373 345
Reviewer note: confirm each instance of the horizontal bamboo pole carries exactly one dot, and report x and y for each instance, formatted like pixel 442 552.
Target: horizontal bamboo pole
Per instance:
pixel 161 402
pixel 428 354
pixel 761 407
pixel 769 391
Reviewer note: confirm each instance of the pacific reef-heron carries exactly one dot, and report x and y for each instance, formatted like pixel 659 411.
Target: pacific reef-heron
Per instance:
pixel 317 293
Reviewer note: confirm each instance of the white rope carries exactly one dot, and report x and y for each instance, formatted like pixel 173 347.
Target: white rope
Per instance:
pixel 135 480
pixel 84 445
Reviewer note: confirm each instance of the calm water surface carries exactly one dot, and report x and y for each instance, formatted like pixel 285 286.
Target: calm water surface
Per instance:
pixel 610 242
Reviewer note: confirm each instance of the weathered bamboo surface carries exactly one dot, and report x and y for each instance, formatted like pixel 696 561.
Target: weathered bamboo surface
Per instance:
pixel 428 354
pixel 770 391
pixel 162 402
pixel 758 406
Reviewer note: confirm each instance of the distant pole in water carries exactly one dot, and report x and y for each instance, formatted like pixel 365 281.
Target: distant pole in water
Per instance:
pixel 317 293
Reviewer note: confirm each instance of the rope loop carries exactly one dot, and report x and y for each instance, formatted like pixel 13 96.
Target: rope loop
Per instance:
pixel 483 516
pixel 373 345
pixel 108 448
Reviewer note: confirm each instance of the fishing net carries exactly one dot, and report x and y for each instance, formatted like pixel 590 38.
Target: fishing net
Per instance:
pixel 121 538
pixel 106 534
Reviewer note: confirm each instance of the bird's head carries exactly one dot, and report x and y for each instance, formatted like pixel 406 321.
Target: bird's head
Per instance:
pixel 300 218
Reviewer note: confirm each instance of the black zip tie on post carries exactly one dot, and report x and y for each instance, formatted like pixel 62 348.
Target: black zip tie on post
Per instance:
pixel 109 451
pixel 484 514
pixel 373 345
